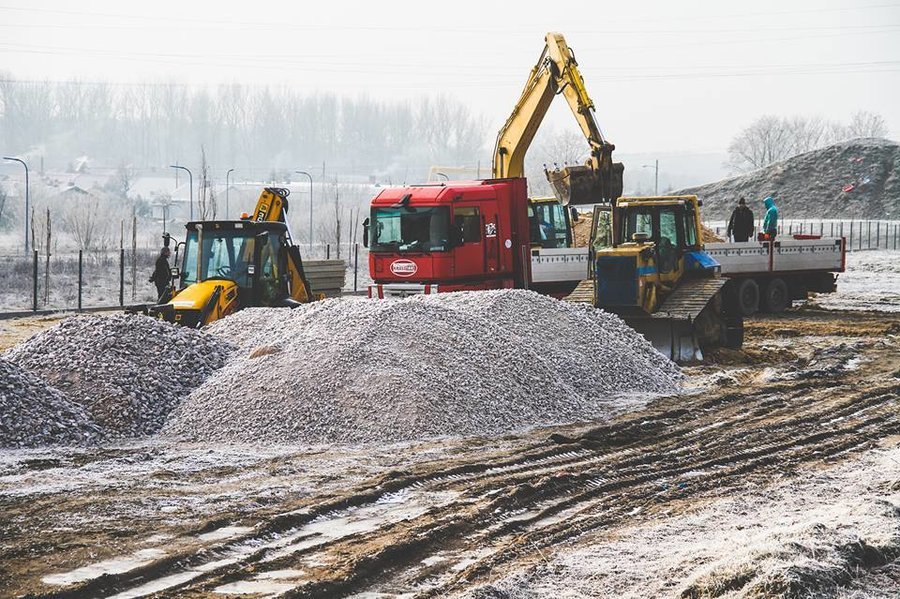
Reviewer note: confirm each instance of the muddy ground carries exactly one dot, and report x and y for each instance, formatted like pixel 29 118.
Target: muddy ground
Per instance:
pixel 814 391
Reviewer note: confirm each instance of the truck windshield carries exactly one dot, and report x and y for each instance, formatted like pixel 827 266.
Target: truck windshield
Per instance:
pixel 225 254
pixel 406 229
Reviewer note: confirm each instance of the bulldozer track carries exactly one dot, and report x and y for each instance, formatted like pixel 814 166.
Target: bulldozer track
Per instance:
pixel 439 526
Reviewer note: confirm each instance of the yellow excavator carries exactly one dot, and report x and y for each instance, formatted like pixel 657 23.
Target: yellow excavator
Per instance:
pixel 229 265
pixel 556 73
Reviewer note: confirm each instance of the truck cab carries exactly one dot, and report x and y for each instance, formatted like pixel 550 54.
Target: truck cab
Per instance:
pixel 469 235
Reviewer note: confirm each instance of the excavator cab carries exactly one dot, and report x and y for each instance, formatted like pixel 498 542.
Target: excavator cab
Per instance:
pixel 649 267
pixel 549 224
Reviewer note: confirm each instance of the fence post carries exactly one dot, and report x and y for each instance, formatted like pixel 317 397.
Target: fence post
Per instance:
pixel 877 234
pixel 34 279
pixel 122 276
pixel 80 275
pixel 328 251
pixel 355 265
pixel 860 234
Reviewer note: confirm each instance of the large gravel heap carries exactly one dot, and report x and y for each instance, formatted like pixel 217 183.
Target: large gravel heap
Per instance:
pixel 33 413
pixel 126 371
pixel 859 178
pixel 354 370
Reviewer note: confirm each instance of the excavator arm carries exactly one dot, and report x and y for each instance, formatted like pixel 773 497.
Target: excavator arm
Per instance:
pixel 556 72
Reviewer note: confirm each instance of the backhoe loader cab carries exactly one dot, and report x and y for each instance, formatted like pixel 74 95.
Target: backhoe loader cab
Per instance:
pixel 649 266
pixel 226 266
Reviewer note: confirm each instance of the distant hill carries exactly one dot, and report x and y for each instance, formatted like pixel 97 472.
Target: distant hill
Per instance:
pixel 859 178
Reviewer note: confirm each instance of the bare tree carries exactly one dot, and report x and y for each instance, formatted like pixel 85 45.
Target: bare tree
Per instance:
pixel 866 124
pixel 770 138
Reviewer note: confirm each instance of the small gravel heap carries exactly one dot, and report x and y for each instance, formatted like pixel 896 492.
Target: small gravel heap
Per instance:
pixel 354 370
pixel 127 371
pixel 33 414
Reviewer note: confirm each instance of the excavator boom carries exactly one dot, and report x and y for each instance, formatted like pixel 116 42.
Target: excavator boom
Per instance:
pixel 556 72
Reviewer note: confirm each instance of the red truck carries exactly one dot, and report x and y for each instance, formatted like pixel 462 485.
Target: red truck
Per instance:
pixel 470 235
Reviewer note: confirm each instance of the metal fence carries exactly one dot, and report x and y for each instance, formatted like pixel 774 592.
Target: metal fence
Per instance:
pixel 80 280
pixel 75 280
pixel 860 234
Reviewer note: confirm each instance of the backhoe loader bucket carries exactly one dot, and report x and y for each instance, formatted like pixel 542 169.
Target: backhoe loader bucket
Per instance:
pixel 578 185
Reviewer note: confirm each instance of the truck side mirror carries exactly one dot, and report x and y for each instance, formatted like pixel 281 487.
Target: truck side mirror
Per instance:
pixel 365 225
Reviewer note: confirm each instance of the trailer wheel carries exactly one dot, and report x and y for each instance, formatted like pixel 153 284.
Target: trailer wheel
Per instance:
pixel 746 297
pixel 775 298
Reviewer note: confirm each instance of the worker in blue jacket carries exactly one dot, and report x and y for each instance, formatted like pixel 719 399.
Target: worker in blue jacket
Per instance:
pixel 770 223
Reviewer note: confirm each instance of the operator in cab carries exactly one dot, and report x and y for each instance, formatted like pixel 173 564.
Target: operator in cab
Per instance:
pixel 740 225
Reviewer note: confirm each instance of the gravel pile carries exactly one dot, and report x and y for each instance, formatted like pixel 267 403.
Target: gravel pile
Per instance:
pixel 354 370
pixel 126 371
pixel 853 179
pixel 33 414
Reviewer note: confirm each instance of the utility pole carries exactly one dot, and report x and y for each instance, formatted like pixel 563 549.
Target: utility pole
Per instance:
pixel 22 162
pixel 654 166
pixel 190 183
pixel 310 206
pixel 227 187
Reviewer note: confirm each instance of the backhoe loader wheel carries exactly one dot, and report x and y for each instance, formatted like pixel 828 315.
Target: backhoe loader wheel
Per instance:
pixel 775 296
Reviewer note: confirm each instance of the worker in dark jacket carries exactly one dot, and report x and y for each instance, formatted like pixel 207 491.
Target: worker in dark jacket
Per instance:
pixel 161 274
pixel 740 225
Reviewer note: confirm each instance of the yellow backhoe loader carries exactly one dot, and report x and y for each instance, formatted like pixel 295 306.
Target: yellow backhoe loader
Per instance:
pixel 228 265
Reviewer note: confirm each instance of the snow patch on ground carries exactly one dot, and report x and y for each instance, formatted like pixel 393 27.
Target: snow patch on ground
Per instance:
pixel 822 533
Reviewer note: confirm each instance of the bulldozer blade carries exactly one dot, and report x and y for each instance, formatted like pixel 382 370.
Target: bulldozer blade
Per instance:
pixel 672 337
pixel 578 185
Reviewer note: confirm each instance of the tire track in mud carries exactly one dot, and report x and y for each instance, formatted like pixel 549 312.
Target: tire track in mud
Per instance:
pixel 515 504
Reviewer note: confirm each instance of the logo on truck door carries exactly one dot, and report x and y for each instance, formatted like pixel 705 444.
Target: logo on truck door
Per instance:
pixel 404 268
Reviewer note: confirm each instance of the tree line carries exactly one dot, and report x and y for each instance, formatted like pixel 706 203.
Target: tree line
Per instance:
pixel 153 125
pixel 772 138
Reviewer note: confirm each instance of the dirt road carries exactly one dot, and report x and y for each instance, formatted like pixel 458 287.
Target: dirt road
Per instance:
pixel 813 390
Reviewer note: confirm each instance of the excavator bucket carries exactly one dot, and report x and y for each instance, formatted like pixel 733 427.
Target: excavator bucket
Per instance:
pixel 578 185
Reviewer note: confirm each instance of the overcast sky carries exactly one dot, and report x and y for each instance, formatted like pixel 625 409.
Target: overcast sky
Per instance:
pixel 665 76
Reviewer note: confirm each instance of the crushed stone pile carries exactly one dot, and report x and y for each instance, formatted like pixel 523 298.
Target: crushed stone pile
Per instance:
pixel 353 370
pixel 126 371
pixel 859 178
pixel 34 414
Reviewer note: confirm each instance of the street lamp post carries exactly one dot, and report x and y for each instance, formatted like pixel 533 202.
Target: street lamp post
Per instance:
pixel 227 187
pixel 310 207
pixel 190 183
pixel 22 162
pixel 656 178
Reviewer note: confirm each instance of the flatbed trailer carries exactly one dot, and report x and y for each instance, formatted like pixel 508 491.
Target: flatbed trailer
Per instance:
pixel 767 276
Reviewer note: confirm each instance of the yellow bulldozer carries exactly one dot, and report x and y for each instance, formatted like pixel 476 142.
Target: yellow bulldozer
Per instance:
pixel 227 265
pixel 648 265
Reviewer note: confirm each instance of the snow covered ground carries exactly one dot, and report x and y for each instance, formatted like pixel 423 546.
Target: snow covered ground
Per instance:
pixel 827 533
pixel 871 282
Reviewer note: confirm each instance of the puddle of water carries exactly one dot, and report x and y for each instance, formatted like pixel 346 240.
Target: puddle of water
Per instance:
pixel 226 532
pixel 254 587
pixel 111 566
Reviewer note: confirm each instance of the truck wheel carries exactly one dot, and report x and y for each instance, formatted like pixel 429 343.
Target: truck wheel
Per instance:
pixel 746 293
pixel 775 298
